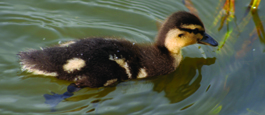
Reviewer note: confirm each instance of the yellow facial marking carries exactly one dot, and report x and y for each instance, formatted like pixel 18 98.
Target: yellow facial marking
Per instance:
pixel 29 68
pixel 176 39
pixel 192 26
pixel 66 44
pixel 74 64
pixel 124 65
pixel 109 82
pixel 142 73
pixel 173 42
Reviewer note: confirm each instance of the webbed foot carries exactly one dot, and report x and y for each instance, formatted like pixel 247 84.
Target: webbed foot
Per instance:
pixel 54 99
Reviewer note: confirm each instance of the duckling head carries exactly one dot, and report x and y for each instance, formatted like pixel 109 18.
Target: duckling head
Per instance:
pixel 182 29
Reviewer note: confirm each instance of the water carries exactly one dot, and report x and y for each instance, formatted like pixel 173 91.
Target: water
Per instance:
pixel 227 80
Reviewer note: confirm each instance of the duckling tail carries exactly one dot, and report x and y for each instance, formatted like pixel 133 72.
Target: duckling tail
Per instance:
pixel 37 62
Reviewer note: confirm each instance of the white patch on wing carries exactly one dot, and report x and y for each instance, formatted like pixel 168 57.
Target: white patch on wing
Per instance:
pixel 125 65
pixel 66 44
pixel 109 82
pixel 74 64
pixel 30 68
pixel 142 73
pixel 122 63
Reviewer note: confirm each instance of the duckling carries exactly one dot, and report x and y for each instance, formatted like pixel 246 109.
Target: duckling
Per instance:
pixel 96 62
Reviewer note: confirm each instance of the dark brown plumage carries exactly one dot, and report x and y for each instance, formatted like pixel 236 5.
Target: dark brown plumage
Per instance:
pixel 96 62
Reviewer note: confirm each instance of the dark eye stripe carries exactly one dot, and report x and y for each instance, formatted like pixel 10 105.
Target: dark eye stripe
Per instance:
pixel 195 31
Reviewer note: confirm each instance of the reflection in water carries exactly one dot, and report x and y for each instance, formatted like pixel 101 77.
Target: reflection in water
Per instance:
pixel 258 31
pixel 96 94
pixel 247 45
pixel 94 104
pixel 190 6
pixel 185 80
pixel 54 99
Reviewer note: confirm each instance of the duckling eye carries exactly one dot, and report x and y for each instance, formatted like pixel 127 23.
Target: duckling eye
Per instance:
pixel 195 31
pixel 180 35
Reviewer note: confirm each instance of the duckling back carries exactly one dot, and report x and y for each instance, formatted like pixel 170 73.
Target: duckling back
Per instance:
pixel 90 62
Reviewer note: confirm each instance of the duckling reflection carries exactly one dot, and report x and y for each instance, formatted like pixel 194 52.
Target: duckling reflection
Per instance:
pixel 184 81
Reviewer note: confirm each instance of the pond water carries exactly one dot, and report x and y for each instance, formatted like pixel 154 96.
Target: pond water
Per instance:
pixel 228 80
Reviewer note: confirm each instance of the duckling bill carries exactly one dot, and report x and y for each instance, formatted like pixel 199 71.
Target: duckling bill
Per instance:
pixel 97 62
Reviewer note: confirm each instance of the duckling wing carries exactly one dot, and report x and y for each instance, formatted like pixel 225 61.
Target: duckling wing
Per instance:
pixel 107 61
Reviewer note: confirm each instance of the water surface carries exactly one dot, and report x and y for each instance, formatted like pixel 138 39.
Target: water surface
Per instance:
pixel 227 80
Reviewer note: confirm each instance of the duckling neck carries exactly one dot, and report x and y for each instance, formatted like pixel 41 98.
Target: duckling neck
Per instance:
pixel 158 60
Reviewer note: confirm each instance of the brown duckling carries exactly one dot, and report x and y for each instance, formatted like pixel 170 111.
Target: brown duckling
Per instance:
pixel 97 62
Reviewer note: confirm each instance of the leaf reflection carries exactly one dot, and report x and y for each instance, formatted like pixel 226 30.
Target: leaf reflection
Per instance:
pixel 247 45
pixel 184 81
pixel 190 6
pixel 258 31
